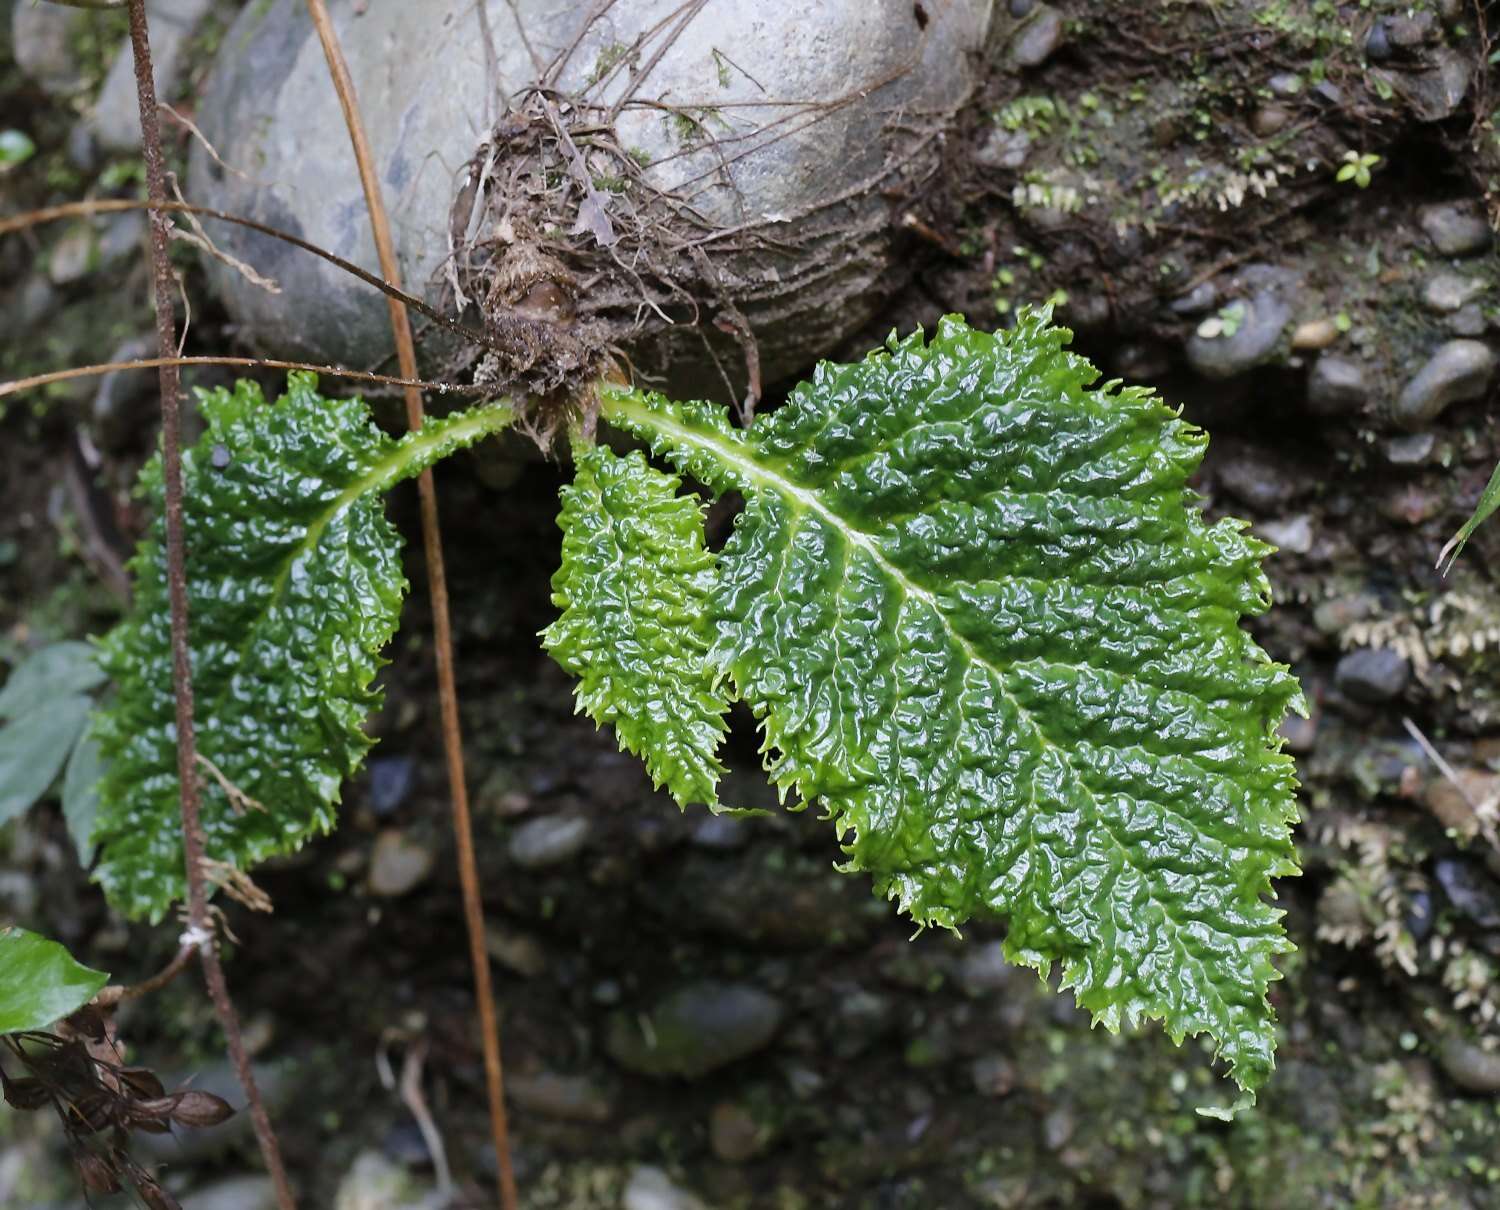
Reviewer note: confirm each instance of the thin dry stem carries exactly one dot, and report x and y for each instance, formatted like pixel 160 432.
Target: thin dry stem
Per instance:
pixel 438 589
pixel 182 675
pixel 16 386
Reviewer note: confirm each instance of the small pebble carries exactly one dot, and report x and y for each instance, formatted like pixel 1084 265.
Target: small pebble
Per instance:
pixel 993 1075
pixel 1372 674
pixel 1378 42
pixel 1458 371
pixel 1314 334
pixel 650 1188
pixel 1455 228
pixel 548 841
pixel 1336 386
pixel 1470 1066
pixel 1037 40
pixel 733 1133
pixel 398 864
pixel 1448 291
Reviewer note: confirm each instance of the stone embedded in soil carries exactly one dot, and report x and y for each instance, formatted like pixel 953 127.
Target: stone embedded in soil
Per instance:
pixel 734 1134
pixel 1458 371
pixel 1411 450
pixel 1336 386
pixel 551 840
pixel 1452 801
pixel 235 1193
pixel 695 1030
pixel 398 864
pixel 42 42
pixel 1038 40
pixel 1471 891
pixel 1456 228
pixel 1254 342
pixel 375 1183
pixel 1372 674
pixel 1260 482
pixel 1470 1066
pixel 115 120
pixel 1196 301
pixel 428 95
pixel 1447 291
pixel 1437 91
pixel 389 783
pixel 515 949
pixel 1314 334
pixel 992 1075
pixel 1294 535
pixel 1469 321
pixel 649 1188
pixel 568 1098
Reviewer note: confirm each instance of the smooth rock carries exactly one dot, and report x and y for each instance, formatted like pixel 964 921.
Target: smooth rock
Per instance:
pixel 1255 341
pixel 1378 42
pixel 1456 228
pixel 1338 613
pixel 1437 92
pixel 1314 334
pixel 548 840
pixel 649 1188
pixel 1261 482
pixel 1410 450
pixel 514 949
pixel 398 864
pixel 428 95
pixel 42 40
pixel 983 970
pixel 1471 891
pixel 1285 84
pixel 1294 535
pixel 695 1030
pixel 1196 301
pixel 1449 291
pixel 721 833
pixel 734 1134
pixel 1468 321
pixel 1372 674
pixel 567 1098
pixel 993 1075
pixel 34 302
pixel 1452 803
pixel 115 121
pixel 1336 386
pixel 71 258
pixel 1470 1066
pixel 1459 370
pixel 1268 119
pixel 1057 1128
pixel 235 1193
pixel 1036 41
pixel 374 1182
pixel 1003 149
pixel 389 783
pixel 124 399
pixel 1020 8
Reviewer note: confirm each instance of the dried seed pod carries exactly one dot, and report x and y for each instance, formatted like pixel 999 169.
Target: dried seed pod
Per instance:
pixel 154 1196
pixel 88 1022
pixel 26 1093
pixel 200 1109
pixel 141 1081
pixel 97 1172
pixel 92 1110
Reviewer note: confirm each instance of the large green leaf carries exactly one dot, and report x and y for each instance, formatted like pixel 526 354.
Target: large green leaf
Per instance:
pixel 985 624
pixel 40 982
pixel 295 586
pixel 34 748
pixel 57 670
pixel 634 587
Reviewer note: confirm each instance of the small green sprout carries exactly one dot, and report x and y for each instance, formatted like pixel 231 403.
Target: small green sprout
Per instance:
pixel 1357 165
pixel 1226 323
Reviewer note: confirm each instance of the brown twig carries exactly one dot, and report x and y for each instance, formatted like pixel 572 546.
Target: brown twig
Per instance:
pixel 18 385
pixel 437 586
pixel 199 933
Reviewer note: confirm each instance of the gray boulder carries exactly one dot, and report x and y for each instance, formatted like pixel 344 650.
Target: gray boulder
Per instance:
pixel 705 111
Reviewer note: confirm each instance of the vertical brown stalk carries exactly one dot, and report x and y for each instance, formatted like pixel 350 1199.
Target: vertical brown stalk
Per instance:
pixel 437 587
pixel 199 924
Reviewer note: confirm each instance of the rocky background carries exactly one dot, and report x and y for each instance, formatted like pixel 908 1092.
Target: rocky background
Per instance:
pixel 1168 174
